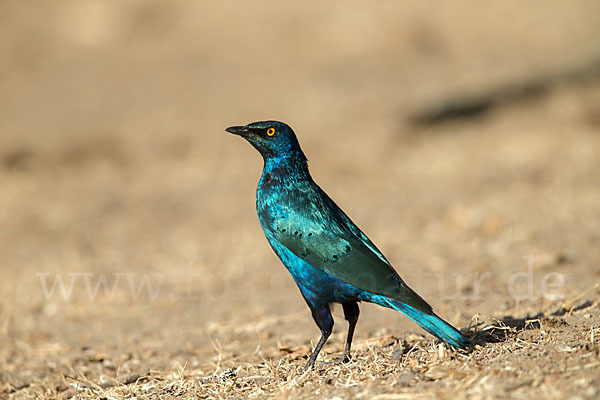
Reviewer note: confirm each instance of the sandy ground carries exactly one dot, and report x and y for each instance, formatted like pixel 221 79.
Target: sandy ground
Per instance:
pixel 119 182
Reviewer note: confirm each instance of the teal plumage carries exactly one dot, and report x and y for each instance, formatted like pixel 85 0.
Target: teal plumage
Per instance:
pixel 329 257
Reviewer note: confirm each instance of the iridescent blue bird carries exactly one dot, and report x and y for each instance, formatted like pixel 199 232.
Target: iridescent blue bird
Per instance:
pixel 329 257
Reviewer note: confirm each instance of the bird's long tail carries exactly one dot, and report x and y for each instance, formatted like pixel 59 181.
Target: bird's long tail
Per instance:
pixel 430 322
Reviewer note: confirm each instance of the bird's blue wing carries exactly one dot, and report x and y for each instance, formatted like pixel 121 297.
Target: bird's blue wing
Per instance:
pixel 318 231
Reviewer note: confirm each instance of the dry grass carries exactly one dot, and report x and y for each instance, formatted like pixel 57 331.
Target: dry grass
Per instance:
pixel 506 361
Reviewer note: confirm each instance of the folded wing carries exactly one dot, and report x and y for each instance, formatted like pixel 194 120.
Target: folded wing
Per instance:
pixel 329 241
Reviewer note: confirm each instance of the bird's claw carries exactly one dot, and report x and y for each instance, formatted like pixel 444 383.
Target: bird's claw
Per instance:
pixel 346 357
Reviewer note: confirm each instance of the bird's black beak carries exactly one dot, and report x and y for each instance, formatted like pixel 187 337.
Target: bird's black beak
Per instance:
pixel 238 130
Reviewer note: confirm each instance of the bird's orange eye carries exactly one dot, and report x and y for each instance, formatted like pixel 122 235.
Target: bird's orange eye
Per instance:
pixel 270 131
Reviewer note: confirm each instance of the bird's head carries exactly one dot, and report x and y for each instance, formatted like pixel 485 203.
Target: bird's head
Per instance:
pixel 273 139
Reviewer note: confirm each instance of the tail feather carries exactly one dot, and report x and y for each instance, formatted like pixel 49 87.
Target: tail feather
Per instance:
pixel 430 322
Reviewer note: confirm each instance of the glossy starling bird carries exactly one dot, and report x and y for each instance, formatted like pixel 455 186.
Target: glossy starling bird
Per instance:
pixel 329 257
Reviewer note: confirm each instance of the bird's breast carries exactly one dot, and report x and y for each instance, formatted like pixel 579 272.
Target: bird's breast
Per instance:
pixel 270 204
pixel 266 181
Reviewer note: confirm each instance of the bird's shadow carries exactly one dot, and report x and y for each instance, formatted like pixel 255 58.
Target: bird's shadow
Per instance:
pixel 503 329
pixel 507 327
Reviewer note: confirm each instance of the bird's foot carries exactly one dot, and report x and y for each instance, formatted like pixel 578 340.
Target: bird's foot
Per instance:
pixel 308 366
pixel 346 357
pixel 315 364
pixel 343 360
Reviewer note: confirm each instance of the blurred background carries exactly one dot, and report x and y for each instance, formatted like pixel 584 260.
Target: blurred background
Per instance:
pixel 460 136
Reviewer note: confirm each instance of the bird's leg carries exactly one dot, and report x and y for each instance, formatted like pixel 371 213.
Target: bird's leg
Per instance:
pixel 318 347
pixel 324 320
pixel 351 312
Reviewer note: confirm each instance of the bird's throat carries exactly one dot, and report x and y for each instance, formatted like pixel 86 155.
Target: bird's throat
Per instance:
pixel 290 168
